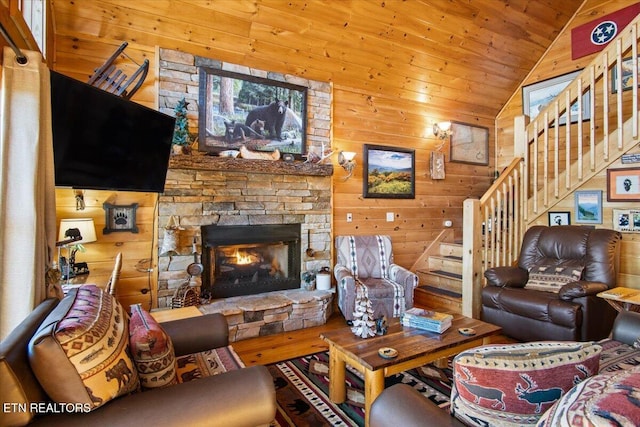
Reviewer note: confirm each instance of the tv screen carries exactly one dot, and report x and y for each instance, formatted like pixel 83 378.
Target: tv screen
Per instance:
pixel 104 142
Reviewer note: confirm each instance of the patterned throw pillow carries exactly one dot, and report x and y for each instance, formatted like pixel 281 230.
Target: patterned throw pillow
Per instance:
pixel 513 385
pixel 80 353
pixel 602 400
pixel 151 349
pixel 550 278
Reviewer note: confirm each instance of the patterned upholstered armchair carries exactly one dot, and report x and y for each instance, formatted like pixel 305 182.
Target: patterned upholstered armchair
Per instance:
pixel 367 261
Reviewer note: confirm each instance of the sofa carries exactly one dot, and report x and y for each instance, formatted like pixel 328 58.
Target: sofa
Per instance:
pixel 551 294
pixel 619 373
pixel 33 368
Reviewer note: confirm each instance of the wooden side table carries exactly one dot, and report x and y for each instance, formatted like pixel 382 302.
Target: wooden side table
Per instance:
pixel 622 298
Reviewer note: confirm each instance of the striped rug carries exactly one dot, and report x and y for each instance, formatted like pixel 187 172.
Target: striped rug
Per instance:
pixel 302 388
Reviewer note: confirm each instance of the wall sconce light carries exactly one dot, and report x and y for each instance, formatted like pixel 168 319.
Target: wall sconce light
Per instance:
pixel 345 159
pixel 442 130
pixel 74 232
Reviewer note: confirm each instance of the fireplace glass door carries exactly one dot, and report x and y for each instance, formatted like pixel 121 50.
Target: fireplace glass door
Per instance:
pixel 250 261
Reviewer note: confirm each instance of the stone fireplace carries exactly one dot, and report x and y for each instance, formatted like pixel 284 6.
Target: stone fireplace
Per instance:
pixel 250 259
pixel 205 191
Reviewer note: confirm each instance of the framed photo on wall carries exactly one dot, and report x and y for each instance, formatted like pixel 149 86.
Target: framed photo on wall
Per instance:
pixel 559 218
pixel 626 220
pixel 536 97
pixel 588 207
pixel 627 75
pixel 623 185
pixel 469 144
pixel 259 113
pixel 389 172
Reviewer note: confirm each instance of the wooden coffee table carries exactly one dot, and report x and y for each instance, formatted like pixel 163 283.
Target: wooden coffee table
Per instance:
pixel 415 348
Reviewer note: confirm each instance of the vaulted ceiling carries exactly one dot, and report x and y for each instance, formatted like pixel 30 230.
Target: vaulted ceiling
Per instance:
pixel 469 55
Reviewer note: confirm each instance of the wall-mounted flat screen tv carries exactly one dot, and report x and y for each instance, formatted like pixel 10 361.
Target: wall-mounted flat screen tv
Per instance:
pixel 104 142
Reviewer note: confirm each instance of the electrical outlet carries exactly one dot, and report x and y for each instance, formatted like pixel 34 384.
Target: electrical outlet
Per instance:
pixel 349 217
pixel 390 216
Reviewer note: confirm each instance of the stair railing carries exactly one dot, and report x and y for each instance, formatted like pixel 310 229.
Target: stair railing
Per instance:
pixel 553 156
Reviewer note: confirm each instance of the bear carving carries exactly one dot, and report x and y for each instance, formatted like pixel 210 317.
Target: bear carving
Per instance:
pixel 273 116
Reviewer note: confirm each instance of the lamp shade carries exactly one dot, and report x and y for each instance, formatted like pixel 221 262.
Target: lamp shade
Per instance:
pixel 84 225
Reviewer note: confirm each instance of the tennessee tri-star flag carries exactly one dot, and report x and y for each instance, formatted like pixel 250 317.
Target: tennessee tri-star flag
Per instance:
pixel 595 35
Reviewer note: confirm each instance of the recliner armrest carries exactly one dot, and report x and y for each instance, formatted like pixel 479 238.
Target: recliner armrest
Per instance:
pixel 399 274
pixel 581 289
pixel 343 275
pixel 240 397
pixel 626 327
pixel 401 405
pixel 512 277
pixel 196 334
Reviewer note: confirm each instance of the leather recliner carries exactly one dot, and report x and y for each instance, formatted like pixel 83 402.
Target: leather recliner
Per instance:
pixel 574 312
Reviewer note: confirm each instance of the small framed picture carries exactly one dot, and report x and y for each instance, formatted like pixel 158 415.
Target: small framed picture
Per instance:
pixel 623 185
pixel 469 144
pixel 559 218
pixel 588 207
pixel 119 218
pixel 626 220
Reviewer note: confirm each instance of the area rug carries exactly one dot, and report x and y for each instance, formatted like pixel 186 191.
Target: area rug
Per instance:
pixel 302 388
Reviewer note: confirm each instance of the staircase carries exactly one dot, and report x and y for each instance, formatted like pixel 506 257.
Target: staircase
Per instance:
pixel 439 270
pixel 550 163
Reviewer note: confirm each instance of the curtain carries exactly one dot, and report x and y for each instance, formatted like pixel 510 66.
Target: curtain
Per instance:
pixel 27 192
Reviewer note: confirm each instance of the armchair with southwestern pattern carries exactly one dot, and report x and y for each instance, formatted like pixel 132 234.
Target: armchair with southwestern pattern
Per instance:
pixel 367 261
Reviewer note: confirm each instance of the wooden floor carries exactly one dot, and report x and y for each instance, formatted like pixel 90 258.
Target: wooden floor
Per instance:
pixel 276 348
pixel 287 345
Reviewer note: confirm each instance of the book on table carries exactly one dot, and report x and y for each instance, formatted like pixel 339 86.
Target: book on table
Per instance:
pixel 426 319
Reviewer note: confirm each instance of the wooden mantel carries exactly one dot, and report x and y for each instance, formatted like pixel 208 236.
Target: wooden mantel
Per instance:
pixel 201 161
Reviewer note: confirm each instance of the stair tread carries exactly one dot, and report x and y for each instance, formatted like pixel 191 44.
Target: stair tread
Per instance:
pixel 439 291
pixel 443 273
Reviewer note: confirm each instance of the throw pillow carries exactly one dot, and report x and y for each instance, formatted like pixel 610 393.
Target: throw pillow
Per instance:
pixel 550 278
pixel 602 400
pixel 513 385
pixel 151 349
pixel 80 353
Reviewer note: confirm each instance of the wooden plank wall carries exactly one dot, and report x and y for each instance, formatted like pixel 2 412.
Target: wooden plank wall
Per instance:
pixel 557 61
pixel 135 284
pixel 359 117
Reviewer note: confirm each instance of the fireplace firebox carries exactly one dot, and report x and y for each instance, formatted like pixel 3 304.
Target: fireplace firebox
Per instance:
pixel 250 259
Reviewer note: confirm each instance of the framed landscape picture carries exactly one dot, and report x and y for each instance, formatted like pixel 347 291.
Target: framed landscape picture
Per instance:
pixel 588 207
pixel 389 172
pixel 536 97
pixel 627 75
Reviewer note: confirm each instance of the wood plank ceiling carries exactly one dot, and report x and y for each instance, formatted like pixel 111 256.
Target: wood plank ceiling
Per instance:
pixel 468 56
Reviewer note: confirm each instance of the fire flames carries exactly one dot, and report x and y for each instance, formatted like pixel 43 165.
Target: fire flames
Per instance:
pixel 244 258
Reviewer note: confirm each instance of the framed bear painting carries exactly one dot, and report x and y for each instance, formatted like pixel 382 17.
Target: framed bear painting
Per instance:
pixel 238 110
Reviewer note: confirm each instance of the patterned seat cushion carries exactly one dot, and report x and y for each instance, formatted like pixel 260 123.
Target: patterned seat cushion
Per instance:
pixel 513 385
pixel 207 363
pixel 151 349
pixel 550 278
pixel 602 400
pixel 80 353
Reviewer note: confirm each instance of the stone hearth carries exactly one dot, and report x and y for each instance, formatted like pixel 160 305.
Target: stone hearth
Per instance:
pixel 258 315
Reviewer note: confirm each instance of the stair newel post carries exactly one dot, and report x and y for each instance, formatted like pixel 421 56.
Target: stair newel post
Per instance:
pixel 472 268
